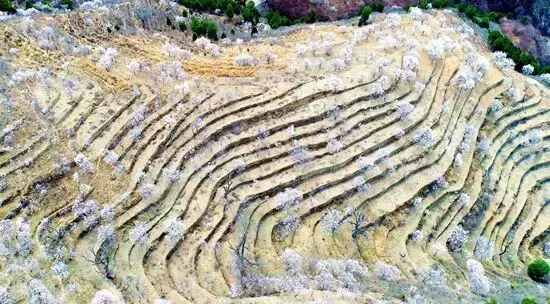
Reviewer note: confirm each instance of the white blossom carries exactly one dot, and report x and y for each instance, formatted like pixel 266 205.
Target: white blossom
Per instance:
pixel 175 230
pixel 38 293
pixel 146 190
pixel 245 59
pixel 104 297
pixel 360 184
pixel 85 208
pixel 288 198
pixel 528 69
pixel 83 163
pixel 502 61
pixel 457 238
pixel 387 272
pixel 483 249
pixel 483 146
pixel 331 220
pixel 5 296
pixel 61 270
pixel 175 52
pixel 425 138
pixel 416 236
pixel 463 199
pixel 479 284
pixel 404 109
pixel 334 146
pixel 533 137
pixel 138 233
pixel 107 58
pixel 287 226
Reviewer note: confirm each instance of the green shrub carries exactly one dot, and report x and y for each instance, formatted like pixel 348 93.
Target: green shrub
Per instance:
pixel 377 6
pixel 528 301
pixel 230 10
pixel 423 4
pixel 499 42
pixel 440 3
pixel 182 26
pixel 6 6
pixel 491 301
pixel 211 30
pixel 538 269
pixel 228 7
pixel 202 27
pixel 311 17
pixel 482 21
pixel 68 3
pixel 365 13
pixel 250 13
pixel 276 20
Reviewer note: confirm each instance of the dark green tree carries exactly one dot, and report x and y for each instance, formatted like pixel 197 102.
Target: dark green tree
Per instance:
pixel 538 269
pixel 250 13
pixel 365 13
pixel 6 6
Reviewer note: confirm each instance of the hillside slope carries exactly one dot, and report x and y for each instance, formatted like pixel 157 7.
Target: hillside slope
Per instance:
pixel 392 163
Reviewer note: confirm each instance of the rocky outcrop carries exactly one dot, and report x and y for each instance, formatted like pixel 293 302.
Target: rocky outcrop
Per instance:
pixel 327 9
pixel 528 38
pixel 537 11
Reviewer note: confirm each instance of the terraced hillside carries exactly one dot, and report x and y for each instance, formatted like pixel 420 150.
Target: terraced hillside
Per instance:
pixel 399 162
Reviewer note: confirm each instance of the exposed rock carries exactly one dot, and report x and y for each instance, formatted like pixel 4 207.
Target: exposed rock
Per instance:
pixel 528 38
pixel 538 11
pixel 328 9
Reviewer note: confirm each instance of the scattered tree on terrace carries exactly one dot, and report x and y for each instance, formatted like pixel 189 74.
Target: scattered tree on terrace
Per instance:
pixel 104 297
pixel 332 220
pixel 484 249
pixel 457 239
pixel 38 293
pixel 107 58
pixel 288 198
pixel 286 227
pixel 463 199
pixel 60 270
pixel 245 59
pixel 358 224
pixel 404 110
pixel 416 236
pixel 425 138
pixel 387 272
pixel 5 296
pixel 175 231
pixel 479 283
pixel 138 234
